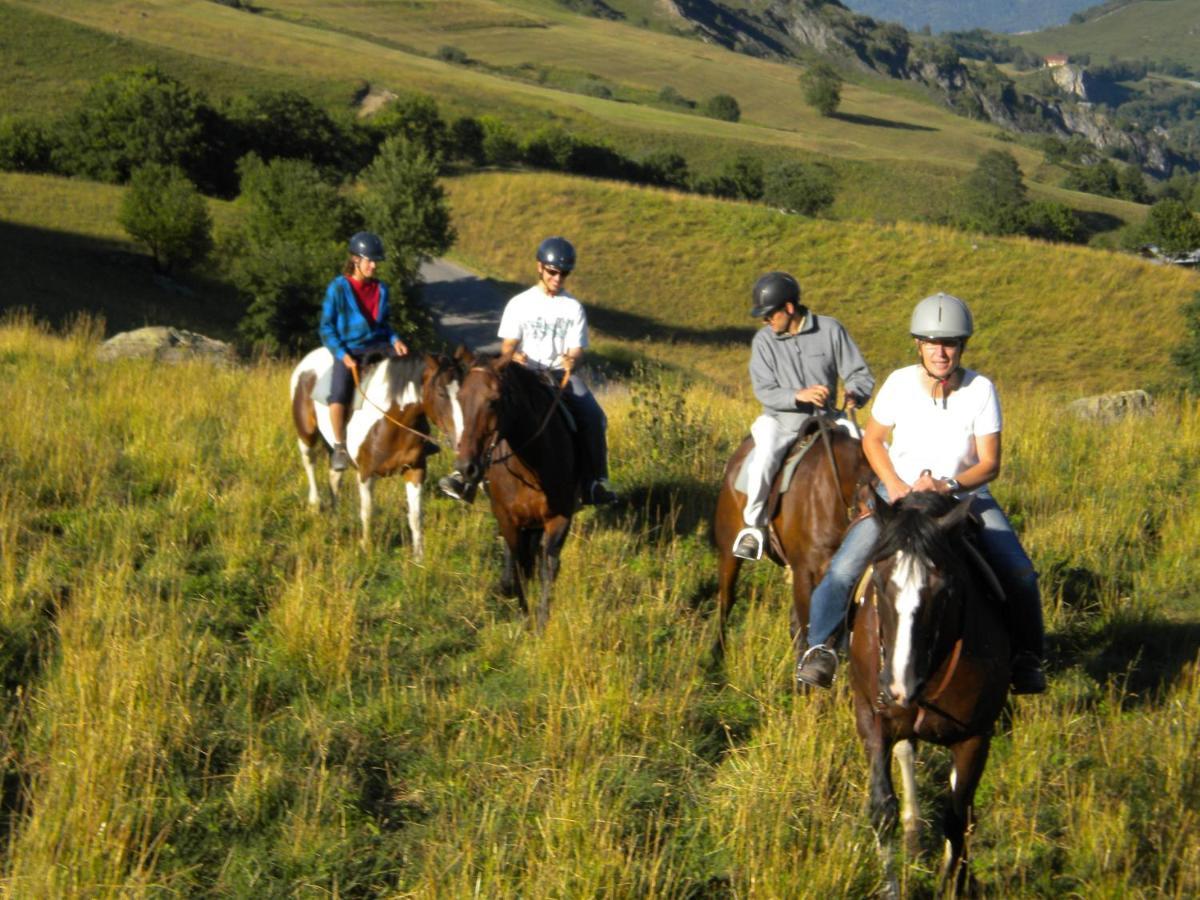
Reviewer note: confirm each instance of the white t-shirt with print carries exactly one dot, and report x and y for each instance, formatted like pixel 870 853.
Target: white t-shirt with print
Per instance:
pixel 928 435
pixel 546 326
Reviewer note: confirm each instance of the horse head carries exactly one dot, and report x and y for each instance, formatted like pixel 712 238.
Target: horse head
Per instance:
pixel 479 399
pixel 918 582
pixel 440 383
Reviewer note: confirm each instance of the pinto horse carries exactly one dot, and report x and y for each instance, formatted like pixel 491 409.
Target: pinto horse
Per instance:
pixel 929 660
pixel 515 437
pixel 389 430
pixel 809 518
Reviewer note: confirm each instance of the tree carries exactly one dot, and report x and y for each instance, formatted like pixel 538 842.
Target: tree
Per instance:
pixel 665 168
pixel 163 210
pixel 993 196
pixel 744 175
pixel 133 118
pixel 798 188
pixel 721 106
pixel 405 205
pixel 1052 221
pixel 417 118
pixel 24 146
pixel 1171 227
pixel 500 147
pixel 822 88
pixel 290 243
pixel 466 140
pixel 273 124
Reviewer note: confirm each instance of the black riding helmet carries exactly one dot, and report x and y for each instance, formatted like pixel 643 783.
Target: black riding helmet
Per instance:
pixel 772 291
pixel 368 244
pixel 557 252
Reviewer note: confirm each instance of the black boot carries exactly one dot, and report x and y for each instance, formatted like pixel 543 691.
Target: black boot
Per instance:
pixel 340 461
pixel 1028 636
pixel 457 486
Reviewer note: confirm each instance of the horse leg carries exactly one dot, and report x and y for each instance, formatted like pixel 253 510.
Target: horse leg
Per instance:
pixel 335 482
pixel 412 491
pixel 910 811
pixel 970 756
pixel 727 574
pixel 881 798
pixel 308 456
pixel 510 578
pixel 553 538
pixel 528 545
pixel 802 584
pixel 366 504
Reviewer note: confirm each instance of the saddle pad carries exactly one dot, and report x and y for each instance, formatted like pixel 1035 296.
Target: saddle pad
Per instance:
pixel 784 476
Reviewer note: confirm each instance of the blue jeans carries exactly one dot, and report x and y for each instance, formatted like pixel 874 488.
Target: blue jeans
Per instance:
pixel 999 544
pixel 592 423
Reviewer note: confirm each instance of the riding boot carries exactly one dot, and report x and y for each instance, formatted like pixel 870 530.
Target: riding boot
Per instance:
pixel 1027 633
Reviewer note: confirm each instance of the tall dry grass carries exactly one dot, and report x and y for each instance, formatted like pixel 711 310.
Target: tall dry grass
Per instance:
pixel 212 691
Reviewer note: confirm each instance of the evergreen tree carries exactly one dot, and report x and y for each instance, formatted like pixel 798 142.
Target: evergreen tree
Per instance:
pixel 993 196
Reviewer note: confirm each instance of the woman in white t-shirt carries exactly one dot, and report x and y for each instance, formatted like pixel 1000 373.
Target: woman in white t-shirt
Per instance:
pixel 945 425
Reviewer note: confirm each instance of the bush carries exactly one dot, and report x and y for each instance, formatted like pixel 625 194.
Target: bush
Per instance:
pixel 721 106
pixel 666 169
pixel 133 118
pixel 549 147
pixel 500 147
pixel 25 146
pixel 275 124
pixel 743 175
pixel 1171 227
pixel 1052 221
pixel 417 119
pixel 163 210
pixel 1187 354
pixel 466 140
pixel 451 54
pixel 799 188
pixel 822 88
pixel 290 243
pixel 672 97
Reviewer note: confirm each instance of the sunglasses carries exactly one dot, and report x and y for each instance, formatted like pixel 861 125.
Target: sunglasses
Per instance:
pixel 554 273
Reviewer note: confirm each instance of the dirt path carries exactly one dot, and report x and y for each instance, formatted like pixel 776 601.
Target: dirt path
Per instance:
pixel 466 308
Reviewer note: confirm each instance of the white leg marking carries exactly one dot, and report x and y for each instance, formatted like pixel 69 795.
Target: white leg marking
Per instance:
pixel 335 482
pixel 413 492
pixel 365 506
pixel 908 578
pixel 910 812
pixel 308 457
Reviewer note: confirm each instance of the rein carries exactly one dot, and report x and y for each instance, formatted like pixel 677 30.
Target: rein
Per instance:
pixel 513 451
pixel 422 434
pixel 823 427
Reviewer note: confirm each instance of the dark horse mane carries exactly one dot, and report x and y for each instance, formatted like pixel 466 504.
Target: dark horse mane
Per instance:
pixel 912 527
pixel 404 370
pixel 526 403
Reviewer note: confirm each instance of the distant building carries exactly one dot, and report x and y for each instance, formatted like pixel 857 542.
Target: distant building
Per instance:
pixel 1056 59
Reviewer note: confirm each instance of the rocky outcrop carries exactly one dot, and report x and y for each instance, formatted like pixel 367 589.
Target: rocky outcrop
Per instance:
pixel 1072 81
pixel 165 344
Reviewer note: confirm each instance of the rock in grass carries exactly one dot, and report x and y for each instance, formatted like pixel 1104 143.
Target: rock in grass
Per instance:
pixel 1111 407
pixel 165 344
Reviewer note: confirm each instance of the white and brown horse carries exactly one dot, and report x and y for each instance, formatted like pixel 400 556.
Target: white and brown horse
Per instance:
pixel 388 431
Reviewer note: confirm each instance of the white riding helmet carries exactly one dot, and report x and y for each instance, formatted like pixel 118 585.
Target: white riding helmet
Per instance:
pixel 941 316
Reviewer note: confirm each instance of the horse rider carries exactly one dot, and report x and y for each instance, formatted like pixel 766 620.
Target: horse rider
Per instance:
pixel 796 359
pixel 354 322
pixel 544 328
pixel 945 430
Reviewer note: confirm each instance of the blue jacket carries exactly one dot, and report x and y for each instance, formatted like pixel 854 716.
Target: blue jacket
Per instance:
pixel 344 329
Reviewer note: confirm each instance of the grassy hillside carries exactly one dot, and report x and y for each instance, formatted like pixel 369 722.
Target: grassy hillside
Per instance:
pixel 671 273
pixel 898 154
pixel 212 692
pixel 1154 29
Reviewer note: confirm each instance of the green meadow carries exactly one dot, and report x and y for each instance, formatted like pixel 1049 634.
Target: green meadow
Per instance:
pixel 213 692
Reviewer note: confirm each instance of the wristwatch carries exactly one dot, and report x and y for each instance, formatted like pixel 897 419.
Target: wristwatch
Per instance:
pixel 953 485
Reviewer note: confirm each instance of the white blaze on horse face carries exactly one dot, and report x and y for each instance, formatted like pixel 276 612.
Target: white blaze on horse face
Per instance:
pixel 909 578
pixel 455 409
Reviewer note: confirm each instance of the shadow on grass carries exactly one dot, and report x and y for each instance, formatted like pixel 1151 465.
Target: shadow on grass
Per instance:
pixel 1095 222
pixel 680 506
pixel 1147 655
pixel 632 327
pixel 874 122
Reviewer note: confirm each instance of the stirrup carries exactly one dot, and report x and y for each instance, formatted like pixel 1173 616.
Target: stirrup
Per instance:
pixel 741 543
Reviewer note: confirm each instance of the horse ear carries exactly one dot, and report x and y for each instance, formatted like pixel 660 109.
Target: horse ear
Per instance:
pixel 464 356
pixel 956 516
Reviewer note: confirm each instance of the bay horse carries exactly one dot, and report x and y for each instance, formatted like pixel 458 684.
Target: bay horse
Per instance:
pixel 929 660
pixel 809 518
pixel 388 432
pixel 516 439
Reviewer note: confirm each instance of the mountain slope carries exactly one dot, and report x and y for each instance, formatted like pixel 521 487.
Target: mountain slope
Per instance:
pixel 963 15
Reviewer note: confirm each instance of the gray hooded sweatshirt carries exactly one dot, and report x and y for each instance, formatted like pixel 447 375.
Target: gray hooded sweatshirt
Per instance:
pixel 819 353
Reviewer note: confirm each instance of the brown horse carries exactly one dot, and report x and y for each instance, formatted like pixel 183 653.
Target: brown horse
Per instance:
pixel 389 431
pixel 929 660
pixel 809 519
pixel 516 439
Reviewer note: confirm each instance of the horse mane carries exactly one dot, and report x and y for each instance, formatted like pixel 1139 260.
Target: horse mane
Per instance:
pixel 913 528
pixel 403 371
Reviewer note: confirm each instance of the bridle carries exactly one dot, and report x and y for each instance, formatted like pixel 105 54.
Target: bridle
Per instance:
pixel 422 434
pixel 486 458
